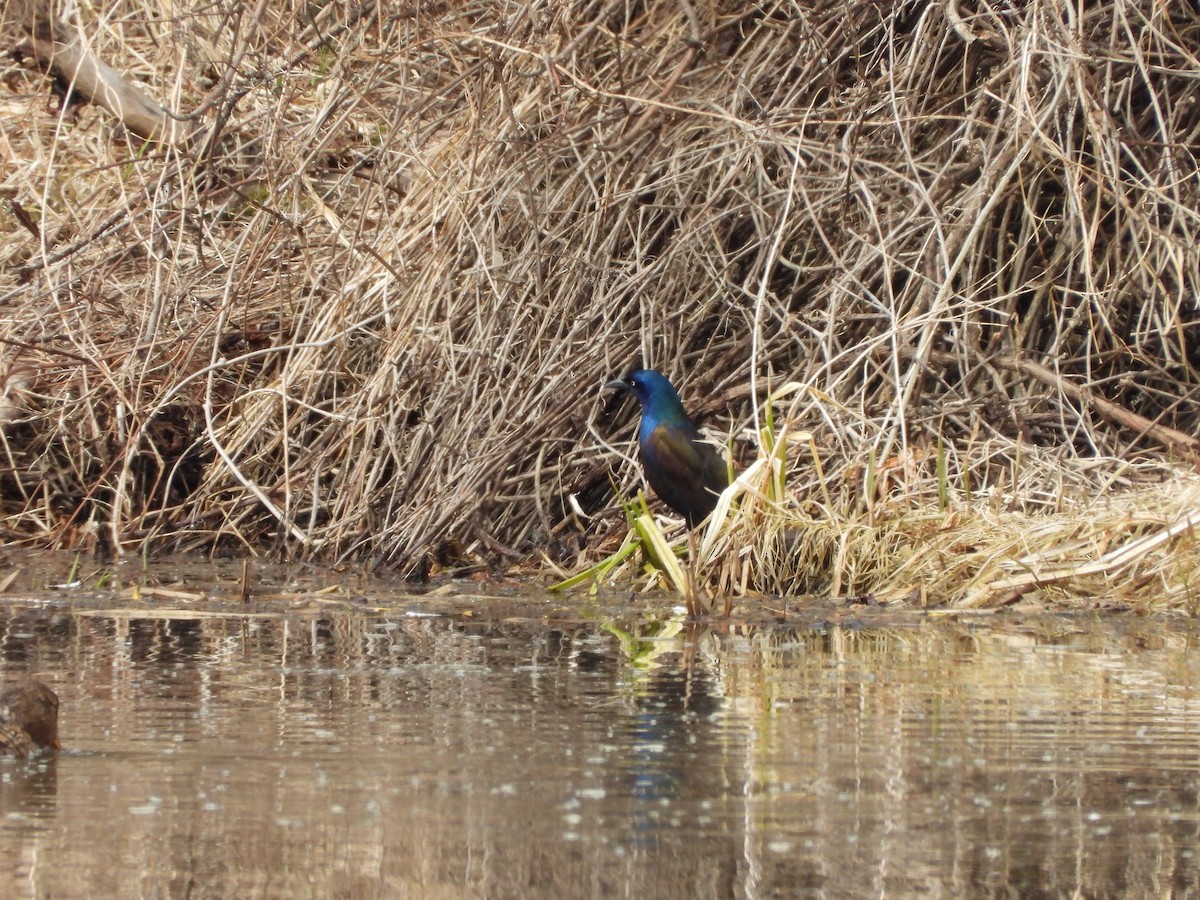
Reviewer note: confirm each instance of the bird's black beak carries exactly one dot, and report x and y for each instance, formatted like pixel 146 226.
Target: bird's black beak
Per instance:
pixel 617 384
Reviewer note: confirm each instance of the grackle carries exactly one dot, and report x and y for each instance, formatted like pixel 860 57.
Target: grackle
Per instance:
pixel 685 470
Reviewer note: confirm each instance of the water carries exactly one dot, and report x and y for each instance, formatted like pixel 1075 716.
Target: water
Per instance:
pixel 340 752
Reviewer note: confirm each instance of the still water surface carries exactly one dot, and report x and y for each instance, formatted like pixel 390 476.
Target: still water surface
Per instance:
pixel 387 752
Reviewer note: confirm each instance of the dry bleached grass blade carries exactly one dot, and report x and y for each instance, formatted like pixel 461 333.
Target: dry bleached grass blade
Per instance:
pixel 371 317
pixel 1041 568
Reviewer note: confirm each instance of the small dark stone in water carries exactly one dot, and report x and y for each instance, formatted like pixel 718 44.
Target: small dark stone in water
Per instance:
pixel 28 719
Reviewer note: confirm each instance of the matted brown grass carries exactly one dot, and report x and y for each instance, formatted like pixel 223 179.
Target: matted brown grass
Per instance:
pixel 367 312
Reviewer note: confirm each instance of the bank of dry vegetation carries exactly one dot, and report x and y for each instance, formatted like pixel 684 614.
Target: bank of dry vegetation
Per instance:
pixel 364 309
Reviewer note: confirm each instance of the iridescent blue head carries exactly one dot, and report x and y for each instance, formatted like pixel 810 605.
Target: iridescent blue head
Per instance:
pixel 660 401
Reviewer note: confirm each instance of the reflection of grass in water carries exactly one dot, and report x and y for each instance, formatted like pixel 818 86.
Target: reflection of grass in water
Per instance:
pixel 1060 664
pixel 845 752
pixel 646 640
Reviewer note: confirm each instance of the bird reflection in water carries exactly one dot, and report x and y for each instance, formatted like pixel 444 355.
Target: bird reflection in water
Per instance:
pixel 668 740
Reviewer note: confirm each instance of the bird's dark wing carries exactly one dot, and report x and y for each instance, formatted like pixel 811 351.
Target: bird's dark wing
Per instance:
pixel 684 470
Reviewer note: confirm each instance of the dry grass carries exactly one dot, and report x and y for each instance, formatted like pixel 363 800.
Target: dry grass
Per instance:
pixel 367 312
pixel 914 529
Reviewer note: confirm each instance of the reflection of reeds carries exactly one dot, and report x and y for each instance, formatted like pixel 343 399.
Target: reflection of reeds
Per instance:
pixel 1015 750
pixel 369 315
pixel 446 758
